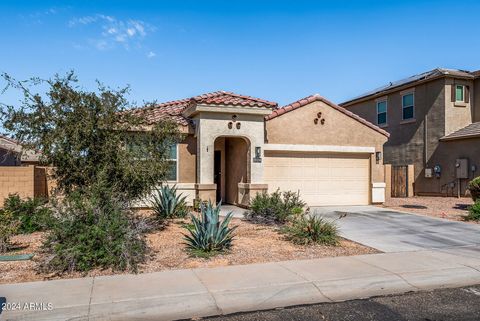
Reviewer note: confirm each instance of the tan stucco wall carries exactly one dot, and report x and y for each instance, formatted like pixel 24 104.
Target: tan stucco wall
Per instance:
pixel 298 127
pixel 213 125
pixel 406 144
pixel 476 100
pixel 457 115
pixel 445 156
pixel 417 143
pixel 187 151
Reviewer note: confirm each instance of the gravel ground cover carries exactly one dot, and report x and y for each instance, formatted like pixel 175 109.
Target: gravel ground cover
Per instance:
pixel 253 244
pixel 450 208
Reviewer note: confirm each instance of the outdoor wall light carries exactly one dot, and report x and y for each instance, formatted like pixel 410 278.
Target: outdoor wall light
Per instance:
pixel 378 156
pixel 258 152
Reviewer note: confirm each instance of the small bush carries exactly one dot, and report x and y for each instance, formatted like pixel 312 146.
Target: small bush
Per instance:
pixel 209 235
pixel 278 207
pixel 312 230
pixel 474 188
pixel 474 212
pixel 32 213
pixel 167 204
pixel 94 232
pixel 8 228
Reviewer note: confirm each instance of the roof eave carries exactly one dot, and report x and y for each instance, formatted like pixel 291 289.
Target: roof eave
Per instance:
pixel 447 139
pixel 381 93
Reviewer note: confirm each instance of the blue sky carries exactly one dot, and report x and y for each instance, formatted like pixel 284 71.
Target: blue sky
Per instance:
pixel 276 50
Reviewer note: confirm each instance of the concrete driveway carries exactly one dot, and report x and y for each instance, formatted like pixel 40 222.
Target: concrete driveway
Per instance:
pixel 392 231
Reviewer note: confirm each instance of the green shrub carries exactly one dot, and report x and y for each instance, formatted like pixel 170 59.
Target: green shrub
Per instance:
pixel 94 232
pixel 474 212
pixel 209 234
pixel 32 213
pixel 8 228
pixel 312 230
pixel 167 204
pixel 278 207
pixel 474 188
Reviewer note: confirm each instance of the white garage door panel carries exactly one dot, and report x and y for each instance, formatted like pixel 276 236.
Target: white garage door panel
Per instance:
pixel 322 179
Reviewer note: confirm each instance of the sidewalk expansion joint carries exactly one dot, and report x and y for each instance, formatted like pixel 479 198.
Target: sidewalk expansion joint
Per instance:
pixel 209 292
pixel 383 269
pixel 307 280
pixel 90 299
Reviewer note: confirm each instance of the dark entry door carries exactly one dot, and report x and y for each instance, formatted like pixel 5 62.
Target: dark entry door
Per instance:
pixel 399 181
pixel 217 173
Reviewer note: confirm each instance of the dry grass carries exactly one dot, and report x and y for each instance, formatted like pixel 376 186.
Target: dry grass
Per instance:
pixel 253 244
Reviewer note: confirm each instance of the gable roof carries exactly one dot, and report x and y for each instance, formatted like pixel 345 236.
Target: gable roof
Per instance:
pixel 316 97
pixel 470 131
pixel 425 76
pixel 174 109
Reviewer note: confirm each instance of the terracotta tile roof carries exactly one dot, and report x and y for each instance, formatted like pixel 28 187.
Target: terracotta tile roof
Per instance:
pixel 173 109
pixel 470 131
pixel 232 99
pixel 307 100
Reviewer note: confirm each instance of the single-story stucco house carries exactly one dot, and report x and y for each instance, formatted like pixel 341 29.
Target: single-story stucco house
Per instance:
pixel 237 146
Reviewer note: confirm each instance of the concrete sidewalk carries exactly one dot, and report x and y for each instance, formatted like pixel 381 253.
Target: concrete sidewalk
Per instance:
pixel 205 292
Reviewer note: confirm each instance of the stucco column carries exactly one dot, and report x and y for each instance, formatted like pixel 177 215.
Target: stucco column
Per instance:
pixel 205 158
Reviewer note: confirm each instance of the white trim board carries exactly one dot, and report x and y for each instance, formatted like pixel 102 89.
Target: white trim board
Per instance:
pixel 319 148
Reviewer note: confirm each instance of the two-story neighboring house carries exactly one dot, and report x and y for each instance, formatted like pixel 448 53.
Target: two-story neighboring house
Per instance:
pixel 434 123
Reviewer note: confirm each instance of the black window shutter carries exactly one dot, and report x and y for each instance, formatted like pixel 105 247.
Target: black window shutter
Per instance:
pixel 467 94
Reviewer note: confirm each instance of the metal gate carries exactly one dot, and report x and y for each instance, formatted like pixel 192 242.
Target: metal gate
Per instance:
pixel 399 181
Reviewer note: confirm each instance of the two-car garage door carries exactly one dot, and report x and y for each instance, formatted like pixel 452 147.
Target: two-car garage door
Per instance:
pixel 322 179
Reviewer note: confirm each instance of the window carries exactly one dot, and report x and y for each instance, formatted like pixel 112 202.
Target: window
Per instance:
pixel 408 108
pixel 382 112
pixel 459 93
pixel 172 159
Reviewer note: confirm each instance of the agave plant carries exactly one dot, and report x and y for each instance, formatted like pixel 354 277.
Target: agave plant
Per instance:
pixel 167 204
pixel 208 233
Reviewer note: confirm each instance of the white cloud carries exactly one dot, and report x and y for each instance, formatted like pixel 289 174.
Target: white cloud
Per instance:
pixel 112 32
pixel 151 54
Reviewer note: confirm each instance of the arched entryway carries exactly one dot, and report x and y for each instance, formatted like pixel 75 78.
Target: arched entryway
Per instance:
pixel 231 167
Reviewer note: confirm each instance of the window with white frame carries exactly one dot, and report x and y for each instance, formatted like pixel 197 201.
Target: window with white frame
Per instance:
pixel 172 160
pixel 382 112
pixel 408 106
pixel 459 93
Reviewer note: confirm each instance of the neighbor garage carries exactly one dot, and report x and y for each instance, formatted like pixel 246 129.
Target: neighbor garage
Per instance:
pixel 328 154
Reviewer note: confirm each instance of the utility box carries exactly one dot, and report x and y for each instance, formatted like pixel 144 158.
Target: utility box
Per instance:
pixel 461 166
pixel 428 173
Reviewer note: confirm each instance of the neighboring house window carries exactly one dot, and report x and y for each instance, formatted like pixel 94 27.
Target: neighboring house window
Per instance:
pixel 408 107
pixel 459 93
pixel 381 112
pixel 172 159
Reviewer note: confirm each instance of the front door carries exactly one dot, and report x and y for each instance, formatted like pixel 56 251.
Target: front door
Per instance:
pixel 217 173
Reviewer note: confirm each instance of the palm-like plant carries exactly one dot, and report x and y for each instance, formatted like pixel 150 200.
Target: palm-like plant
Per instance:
pixel 208 233
pixel 167 204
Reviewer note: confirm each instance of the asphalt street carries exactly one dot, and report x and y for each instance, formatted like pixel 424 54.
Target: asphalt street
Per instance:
pixel 462 304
